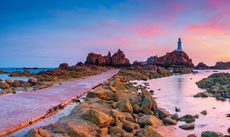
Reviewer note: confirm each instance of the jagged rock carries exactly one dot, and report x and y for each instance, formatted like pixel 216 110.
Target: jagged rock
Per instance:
pixel 149 120
pixel 103 131
pixel 148 132
pixel 147 103
pixel 127 126
pixel 211 134
pixel 161 112
pixel 146 110
pixel 116 114
pixel 201 65
pixel 204 112
pixel 169 121
pixel 119 123
pixel 177 109
pixel 187 118
pixel 187 126
pixel 146 94
pixel 117 60
pixel 38 132
pixel 9 81
pixel 63 65
pixel 114 130
pixel 4 86
pixel 125 106
pixel 99 118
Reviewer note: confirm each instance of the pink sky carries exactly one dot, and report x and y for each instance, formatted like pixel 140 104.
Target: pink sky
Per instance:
pixel 46 34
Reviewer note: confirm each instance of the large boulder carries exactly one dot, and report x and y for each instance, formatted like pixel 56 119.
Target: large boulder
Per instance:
pixel 147 94
pixel 187 126
pixel 114 130
pixel 125 106
pixel 147 103
pixel 127 126
pixel 161 112
pixel 169 121
pixel 9 81
pixel 211 134
pixel 38 132
pixel 32 81
pixel 72 131
pixel 4 86
pixel 16 83
pixel 99 118
pixel 149 120
pixel 148 132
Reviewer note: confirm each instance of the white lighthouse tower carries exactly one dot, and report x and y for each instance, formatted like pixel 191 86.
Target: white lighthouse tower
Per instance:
pixel 179 48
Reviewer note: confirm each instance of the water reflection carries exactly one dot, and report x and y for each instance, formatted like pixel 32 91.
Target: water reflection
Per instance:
pixel 178 91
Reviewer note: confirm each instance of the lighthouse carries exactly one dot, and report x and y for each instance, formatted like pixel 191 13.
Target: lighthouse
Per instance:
pixel 179 48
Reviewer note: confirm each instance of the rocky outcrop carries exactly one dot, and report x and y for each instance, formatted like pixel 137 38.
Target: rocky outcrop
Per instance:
pixel 117 60
pixel 63 65
pixel 222 65
pixel 175 59
pixel 201 65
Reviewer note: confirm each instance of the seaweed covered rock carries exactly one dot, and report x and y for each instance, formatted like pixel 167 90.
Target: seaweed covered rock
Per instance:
pixel 187 118
pixel 187 126
pixel 211 134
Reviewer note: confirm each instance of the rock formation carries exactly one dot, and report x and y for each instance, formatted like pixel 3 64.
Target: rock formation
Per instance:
pixel 201 65
pixel 63 65
pixel 175 59
pixel 222 65
pixel 117 60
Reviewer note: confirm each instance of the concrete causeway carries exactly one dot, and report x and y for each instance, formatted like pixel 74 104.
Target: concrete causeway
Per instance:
pixel 19 110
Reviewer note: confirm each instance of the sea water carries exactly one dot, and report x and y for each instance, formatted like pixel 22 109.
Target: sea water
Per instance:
pixel 5 76
pixel 178 91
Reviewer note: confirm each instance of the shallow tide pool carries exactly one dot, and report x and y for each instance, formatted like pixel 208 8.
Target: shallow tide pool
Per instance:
pixel 178 91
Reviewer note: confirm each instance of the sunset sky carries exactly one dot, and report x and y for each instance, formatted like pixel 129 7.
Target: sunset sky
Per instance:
pixel 45 33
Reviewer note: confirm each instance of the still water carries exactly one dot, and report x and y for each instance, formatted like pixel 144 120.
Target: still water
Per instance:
pixel 178 91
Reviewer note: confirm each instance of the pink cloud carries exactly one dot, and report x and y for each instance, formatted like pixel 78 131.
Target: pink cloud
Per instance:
pixel 145 31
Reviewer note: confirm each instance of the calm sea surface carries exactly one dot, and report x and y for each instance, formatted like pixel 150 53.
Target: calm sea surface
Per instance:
pixel 5 76
pixel 178 91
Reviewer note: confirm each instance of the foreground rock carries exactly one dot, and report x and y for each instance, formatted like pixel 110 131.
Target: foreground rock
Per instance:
pixel 100 118
pixel 211 134
pixel 187 118
pixel 149 120
pixel 38 132
pixel 148 132
pixel 187 126
pixel 169 121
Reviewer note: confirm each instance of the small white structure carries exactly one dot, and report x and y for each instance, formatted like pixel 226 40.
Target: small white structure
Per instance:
pixel 179 48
